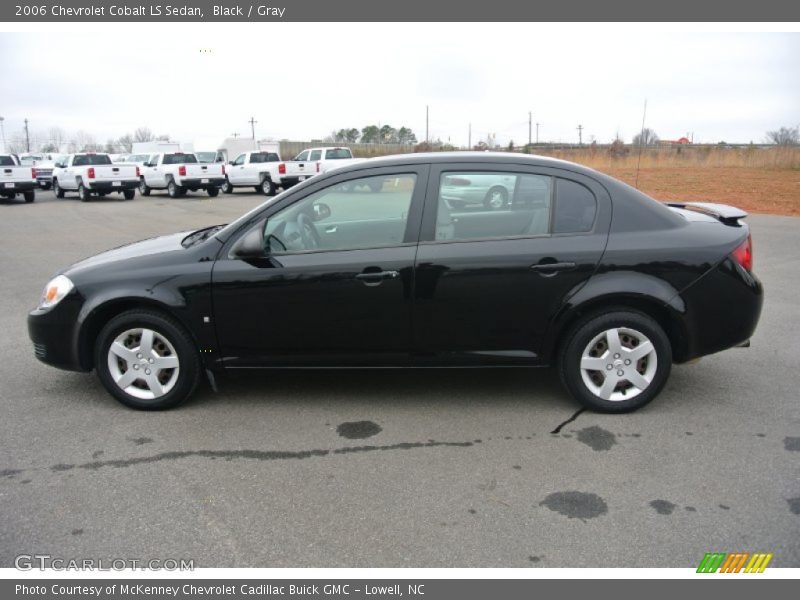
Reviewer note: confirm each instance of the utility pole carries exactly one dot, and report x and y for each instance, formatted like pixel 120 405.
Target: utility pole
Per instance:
pixel 580 135
pixel 3 133
pixel 469 138
pixel 27 137
pixel 235 135
pixel 427 139
pixel 253 126
pixel 530 120
pixel 537 134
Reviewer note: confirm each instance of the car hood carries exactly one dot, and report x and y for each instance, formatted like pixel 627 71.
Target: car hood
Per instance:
pixel 156 245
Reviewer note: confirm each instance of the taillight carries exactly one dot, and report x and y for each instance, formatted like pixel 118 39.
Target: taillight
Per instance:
pixel 137 172
pixel 223 169
pixel 282 169
pixel 33 173
pixel 744 254
pixel 90 173
pixel 317 167
pixel 182 170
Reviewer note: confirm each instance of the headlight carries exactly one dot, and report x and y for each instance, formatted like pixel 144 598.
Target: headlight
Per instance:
pixel 55 291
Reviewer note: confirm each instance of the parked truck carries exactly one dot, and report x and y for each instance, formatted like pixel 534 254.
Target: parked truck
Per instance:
pixel 16 179
pixel 178 173
pixel 232 147
pixel 261 170
pixel 91 173
pixel 314 161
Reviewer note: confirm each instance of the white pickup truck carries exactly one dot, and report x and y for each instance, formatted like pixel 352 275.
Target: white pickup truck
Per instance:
pixel 261 170
pixel 178 172
pixel 16 179
pixel 90 173
pixel 314 161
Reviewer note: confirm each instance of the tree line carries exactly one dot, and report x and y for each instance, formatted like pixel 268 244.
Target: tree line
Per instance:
pixel 373 134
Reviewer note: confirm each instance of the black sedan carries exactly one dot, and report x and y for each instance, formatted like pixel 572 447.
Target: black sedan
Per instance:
pixel 379 264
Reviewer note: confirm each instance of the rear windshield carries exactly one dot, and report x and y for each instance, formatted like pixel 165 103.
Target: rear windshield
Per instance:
pixel 81 160
pixel 179 159
pixel 206 157
pixel 338 153
pixel 138 158
pixel 262 157
pixel 6 161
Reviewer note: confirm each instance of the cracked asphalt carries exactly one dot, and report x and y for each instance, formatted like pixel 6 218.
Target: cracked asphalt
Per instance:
pixel 390 468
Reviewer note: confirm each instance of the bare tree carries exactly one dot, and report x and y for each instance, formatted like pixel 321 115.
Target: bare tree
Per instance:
pixel 647 137
pixel 126 142
pixel 57 137
pixel 85 141
pixel 143 134
pixel 785 136
pixel 164 137
pixel 16 144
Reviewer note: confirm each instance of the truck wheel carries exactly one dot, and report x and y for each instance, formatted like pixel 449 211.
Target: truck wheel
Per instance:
pixel 267 187
pixel 29 196
pixel 83 193
pixel 57 189
pixel 129 194
pixel 45 186
pixel 174 190
pixel 144 189
pixel 227 188
pixel 213 191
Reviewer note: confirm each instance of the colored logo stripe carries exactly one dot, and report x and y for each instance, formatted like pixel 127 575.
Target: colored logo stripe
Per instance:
pixel 734 562
pixel 711 562
pixel 758 563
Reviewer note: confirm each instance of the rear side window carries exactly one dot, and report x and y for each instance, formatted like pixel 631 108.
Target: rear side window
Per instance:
pixel 82 160
pixel 575 207
pixel 179 159
pixel 315 155
pixel 6 161
pixel 337 153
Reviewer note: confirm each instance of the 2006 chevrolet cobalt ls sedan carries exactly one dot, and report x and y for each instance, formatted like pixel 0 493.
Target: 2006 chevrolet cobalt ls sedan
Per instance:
pixel 374 265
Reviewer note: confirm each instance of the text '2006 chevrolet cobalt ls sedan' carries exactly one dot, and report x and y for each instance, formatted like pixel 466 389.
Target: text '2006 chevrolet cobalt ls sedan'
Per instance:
pixel 426 260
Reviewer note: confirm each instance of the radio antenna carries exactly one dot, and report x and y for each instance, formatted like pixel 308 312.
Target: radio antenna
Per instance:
pixel 641 143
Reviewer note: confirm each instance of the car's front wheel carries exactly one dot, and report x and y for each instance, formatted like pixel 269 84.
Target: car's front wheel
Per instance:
pixel 146 360
pixel 615 362
pixel 226 187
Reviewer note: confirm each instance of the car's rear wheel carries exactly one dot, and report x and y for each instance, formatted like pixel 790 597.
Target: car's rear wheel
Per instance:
pixel 128 194
pixel 615 362
pixel 212 191
pixel 267 187
pixel 144 189
pixel 146 360
pixel 496 198
pixel 29 196
pixel 174 190
pixel 83 193
pixel 57 189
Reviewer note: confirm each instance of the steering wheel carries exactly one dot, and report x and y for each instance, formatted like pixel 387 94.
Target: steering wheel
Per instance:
pixel 308 232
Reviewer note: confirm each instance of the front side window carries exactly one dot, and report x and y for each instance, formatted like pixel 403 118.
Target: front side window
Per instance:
pixel 481 205
pixel 239 160
pixel 368 212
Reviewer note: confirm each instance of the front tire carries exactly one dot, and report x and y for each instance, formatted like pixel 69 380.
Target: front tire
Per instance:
pixel 227 188
pixel 146 360
pixel 615 362
pixel 83 193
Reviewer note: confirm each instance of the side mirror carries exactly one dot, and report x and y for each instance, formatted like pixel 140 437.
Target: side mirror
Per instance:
pixel 251 245
pixel 321 211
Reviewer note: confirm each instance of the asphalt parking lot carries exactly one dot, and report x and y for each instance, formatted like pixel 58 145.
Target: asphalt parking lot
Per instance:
pixel 390 469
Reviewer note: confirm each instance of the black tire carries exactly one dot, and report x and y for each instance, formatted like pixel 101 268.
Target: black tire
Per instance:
pixel 226 187
pixel 585 331
pixel 29 196
pixel 188 365
pixel 83 193
pixel 267 187
pixel 45 186
pixel 213 191
pixel 128 194
pixel 496 198
pixel 174 190
pixel 144 189
pixel 57 189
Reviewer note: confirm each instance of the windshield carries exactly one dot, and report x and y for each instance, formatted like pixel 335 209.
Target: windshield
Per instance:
pixel 180 159
pixel 205 157
pixel 138 158
pixel 82 160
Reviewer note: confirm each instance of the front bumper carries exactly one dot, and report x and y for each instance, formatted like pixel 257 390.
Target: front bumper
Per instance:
pixel 108 186
pixel 18 186
pixel 54 333
pixel 202 182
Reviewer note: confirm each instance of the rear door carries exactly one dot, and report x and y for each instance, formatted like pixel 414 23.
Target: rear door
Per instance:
pixel 336 286
pixel 501 249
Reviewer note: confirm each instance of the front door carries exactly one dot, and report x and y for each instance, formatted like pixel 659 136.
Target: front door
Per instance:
pixel 334 286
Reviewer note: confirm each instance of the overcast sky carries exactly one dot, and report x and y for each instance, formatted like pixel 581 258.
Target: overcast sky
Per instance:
pixel 301 81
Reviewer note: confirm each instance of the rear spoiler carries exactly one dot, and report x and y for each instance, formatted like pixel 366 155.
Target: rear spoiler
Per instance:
pixel 729 215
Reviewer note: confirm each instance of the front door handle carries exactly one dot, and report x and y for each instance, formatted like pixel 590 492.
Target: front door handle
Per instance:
pixel 372 278
pixel 548 269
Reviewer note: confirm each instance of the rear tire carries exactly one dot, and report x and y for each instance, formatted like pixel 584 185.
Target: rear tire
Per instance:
pixel 29 196
pixel 57 189
pixel 213 191
pixel 267 187
pixel 144 189
pixel 143 383
pixel 174 190
pixel 128 194
pixel 83 193
pixel 496 198
pixel 632 356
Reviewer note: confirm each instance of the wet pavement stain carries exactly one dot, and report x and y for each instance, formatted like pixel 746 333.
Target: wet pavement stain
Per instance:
pixel 663 507
pixel 576 505
pixel 472 511
pixel 535 559
pixel 791 444
pixel 358 430
pixel 62 467
pixel 724 506
pixel 570 420
pixel 77 532
pixel 98 453
pixel 690 508
pixel 597 438
pixel 25 481
pixel 141 441
pixel 794 505
pixel 517 467
pixel 10 473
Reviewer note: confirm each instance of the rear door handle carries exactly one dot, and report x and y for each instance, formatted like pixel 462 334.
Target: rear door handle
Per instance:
pixel 552 268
